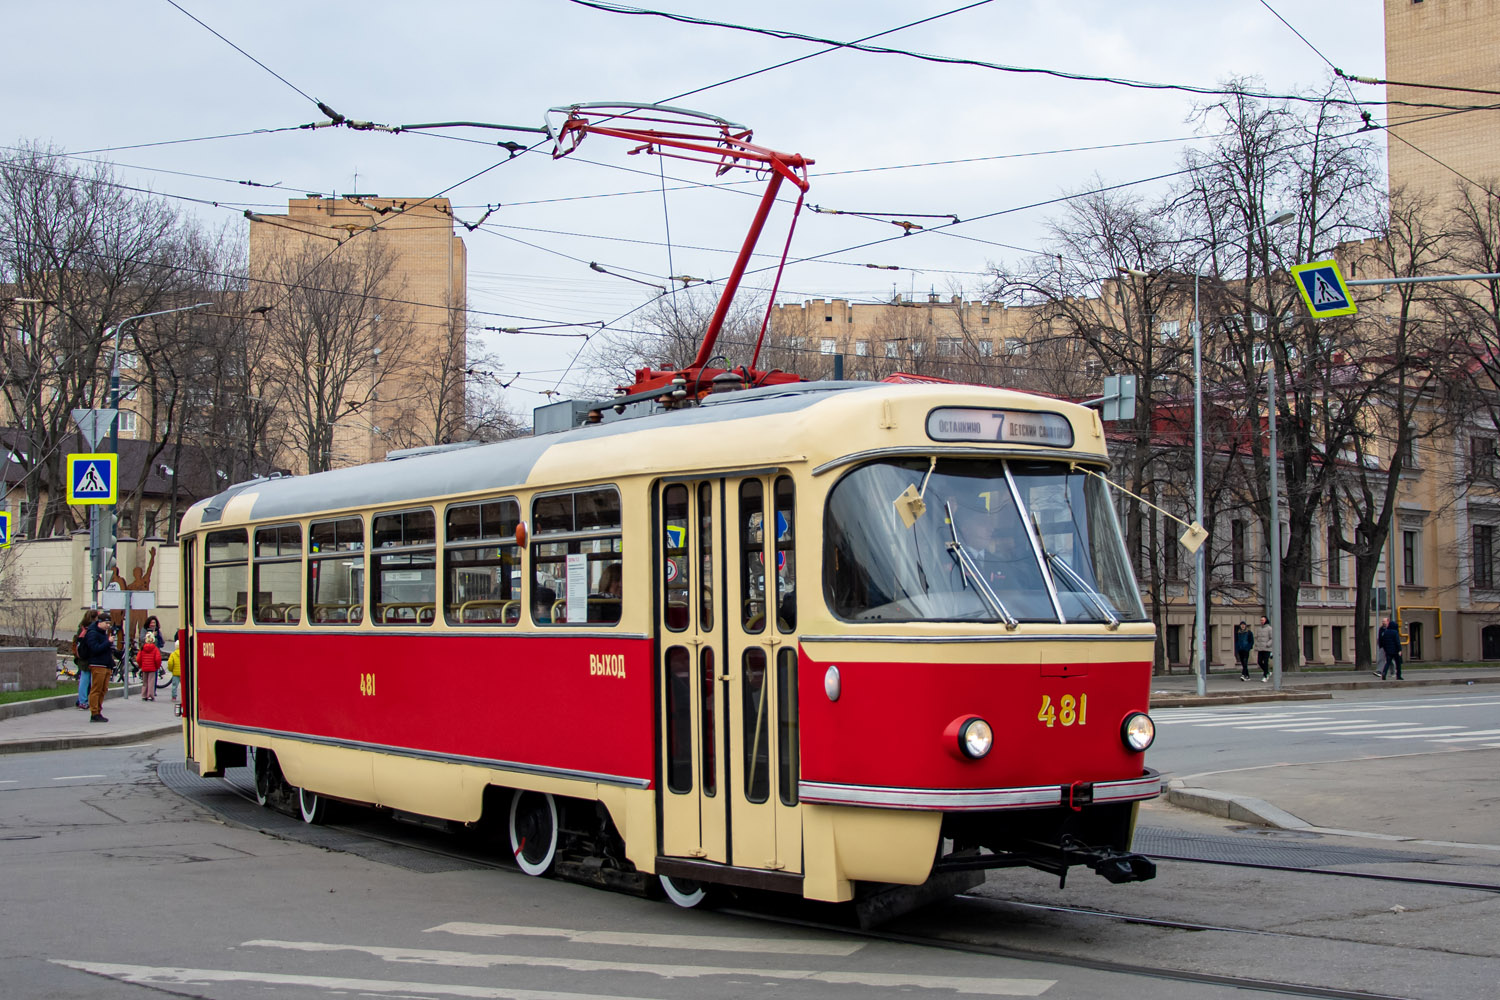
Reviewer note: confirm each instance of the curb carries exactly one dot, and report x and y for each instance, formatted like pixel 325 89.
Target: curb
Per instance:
pixel 79 742
pixel 17 709
pixel 1239 808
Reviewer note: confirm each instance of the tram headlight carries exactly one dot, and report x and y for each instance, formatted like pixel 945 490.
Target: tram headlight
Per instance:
pixel 1137 731
pixel 975 738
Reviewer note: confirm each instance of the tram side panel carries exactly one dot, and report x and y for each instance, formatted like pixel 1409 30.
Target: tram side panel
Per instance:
pixel 567 708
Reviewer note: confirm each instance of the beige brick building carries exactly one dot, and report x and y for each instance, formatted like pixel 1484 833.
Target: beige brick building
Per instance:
pixel 1453 43
pixel 424 291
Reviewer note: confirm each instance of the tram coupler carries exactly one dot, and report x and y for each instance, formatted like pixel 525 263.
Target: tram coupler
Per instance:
pixel 1119 868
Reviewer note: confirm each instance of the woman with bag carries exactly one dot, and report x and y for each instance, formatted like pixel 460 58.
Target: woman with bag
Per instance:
pixel 80 660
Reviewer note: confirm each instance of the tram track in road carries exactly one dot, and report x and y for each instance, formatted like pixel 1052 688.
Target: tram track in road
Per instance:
pixel 1372 876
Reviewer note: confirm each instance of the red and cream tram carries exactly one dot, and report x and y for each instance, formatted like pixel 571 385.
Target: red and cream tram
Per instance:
pixel 853 622
pixel 799 636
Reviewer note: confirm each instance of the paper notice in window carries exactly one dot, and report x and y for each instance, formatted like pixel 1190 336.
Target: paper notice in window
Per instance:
pixel 578 587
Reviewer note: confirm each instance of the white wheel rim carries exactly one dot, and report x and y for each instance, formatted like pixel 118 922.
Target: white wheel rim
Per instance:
pixel 309 803
pixel 260 795
pixel 686 900
pixel 527 866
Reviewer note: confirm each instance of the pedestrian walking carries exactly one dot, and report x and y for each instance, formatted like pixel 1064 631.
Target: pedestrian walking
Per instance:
pixel 1263 640
pixel 100 651
pixel 149 660
pixel 80 658
pixel 1244 641
pixel 174 667
pixel 1389 641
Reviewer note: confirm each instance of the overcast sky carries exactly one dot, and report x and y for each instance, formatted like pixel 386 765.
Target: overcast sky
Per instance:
pixel 94 74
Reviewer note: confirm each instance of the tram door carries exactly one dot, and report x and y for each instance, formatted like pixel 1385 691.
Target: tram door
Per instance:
pixel 761 673
pixel 690 533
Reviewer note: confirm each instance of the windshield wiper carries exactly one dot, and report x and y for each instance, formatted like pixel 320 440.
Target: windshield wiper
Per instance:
pixel 971 572
pixel 1095 598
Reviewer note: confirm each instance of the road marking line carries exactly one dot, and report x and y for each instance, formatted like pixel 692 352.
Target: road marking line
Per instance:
pixel 1371 729
pixel 884 980
pixel 1469 737
pixel 1416 733
pixel 148 975
pixel 836 949
pixel 11 781
pixel 75 777
pixel 1274 725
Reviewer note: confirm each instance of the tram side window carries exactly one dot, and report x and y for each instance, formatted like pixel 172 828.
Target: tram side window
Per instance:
pixel 576 558
pixel 754 714
pixel 752 556
pixel 336 572
pixel 226 574
pixel 678 562
pixel 482 564
pixel 786 557
pixel 786 725
pixel 278 575
pixel 403 577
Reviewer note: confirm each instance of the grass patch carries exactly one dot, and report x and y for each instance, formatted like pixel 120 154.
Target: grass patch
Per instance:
pixel 6 697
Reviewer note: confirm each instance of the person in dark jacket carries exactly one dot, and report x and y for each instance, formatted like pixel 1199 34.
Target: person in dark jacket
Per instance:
pixel 1244 641
pixel 80 659
pixel 100 652
pixel 1389 641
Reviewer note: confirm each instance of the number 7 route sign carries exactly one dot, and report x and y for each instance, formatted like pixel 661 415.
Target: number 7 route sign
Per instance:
pixel 1323 289
pixel 92 478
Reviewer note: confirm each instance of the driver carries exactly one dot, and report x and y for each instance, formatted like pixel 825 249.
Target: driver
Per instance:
pixel 995 551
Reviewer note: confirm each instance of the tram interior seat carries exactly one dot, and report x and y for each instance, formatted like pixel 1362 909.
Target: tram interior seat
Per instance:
pixel 487 610
pixel 604 609
pixel 406 614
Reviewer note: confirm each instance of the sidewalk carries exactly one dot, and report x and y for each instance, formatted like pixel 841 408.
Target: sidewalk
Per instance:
pixel 66 727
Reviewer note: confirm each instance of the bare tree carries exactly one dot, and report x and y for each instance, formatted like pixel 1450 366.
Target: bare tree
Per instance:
pixel 90 253
pixel 427 404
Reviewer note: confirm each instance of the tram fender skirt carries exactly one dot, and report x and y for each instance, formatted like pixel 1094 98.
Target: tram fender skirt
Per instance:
pixel 1121 868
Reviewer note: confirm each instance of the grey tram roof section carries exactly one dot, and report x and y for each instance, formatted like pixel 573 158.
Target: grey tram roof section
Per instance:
pixel 460 470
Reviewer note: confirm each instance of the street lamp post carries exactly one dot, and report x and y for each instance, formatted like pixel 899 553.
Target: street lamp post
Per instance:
pixel 1280 219
pixel 118 331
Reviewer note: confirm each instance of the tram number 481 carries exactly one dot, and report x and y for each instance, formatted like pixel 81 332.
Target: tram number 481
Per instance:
pixel 1068 711
pixel 367 684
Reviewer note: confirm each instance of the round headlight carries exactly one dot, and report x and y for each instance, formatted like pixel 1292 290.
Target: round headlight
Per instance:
pixel 1138 731
pixel 975 738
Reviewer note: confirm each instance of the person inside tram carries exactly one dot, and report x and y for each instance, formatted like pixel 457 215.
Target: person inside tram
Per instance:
pixel 996 552
pixel 604 605
pixel 542 599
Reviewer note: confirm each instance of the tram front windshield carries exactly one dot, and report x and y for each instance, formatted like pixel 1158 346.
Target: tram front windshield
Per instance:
pixel 1001 540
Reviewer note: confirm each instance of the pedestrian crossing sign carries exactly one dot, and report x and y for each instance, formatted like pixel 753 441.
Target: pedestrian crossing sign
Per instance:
pixel 91 478
pixel 1323 289
pixel 4 529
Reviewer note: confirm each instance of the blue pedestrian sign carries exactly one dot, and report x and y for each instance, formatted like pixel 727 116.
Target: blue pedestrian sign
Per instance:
pixel 4 529
pixel 1323 289
pixel 91 478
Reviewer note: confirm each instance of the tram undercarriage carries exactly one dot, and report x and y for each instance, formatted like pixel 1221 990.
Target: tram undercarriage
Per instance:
pixel 1050 840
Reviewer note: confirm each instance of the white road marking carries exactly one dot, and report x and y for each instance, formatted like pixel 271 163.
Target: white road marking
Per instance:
pixel 684 942
pixel 11 781
pixel 882 980
pixel 1416 733
pixel 1469 737
pixel 75 777
pixel 146 975
pixel 1372 729
pixel 1273 725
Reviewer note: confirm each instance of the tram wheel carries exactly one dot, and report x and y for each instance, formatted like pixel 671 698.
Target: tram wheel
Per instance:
pixel 312 806
pixel 685 892
pixel 266 772
pixel 533 831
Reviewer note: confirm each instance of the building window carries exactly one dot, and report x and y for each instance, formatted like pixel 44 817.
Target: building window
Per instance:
pixel 1409 453
pixel 1335 560
pixel 1170 329
pixel 1260 354
pixel 862 348
pixel 1482 457
pixel 1171 564
pixel 948 346
pixel 893 348
pixel 1237 551
pixel 128 421
pixel 1409 574
pixel 986 348
pixel 1338 643
pixel 828 345
pixel 1309 643
pixel 1484 556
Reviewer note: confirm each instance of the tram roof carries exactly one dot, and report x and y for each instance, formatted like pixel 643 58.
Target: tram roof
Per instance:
pixel 575 455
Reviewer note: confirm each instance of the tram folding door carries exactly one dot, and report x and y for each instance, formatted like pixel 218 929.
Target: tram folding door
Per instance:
pixel 729 673
pixel 693 764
